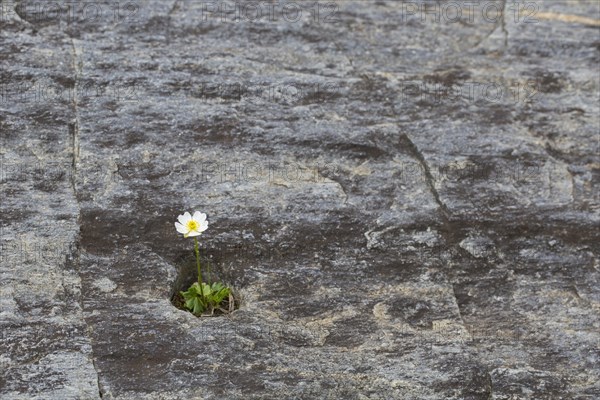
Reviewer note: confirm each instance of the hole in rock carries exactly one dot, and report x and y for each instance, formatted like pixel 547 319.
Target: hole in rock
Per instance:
pixel 187 274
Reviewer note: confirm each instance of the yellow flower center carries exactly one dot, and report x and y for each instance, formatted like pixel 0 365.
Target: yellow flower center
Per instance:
pixel 192 225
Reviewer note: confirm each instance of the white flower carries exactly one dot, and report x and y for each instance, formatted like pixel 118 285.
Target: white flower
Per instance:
pixel 191 226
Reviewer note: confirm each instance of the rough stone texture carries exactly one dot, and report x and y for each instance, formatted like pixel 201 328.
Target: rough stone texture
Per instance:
pixel 409 208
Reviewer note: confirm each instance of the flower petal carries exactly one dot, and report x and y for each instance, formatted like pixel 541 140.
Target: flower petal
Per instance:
pixel 203 226
pixel 181 228
pixel 185 218
pixel 193 233
pixel 198 216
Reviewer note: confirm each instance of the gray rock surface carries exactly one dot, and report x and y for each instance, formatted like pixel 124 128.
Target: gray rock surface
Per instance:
pixel 408 208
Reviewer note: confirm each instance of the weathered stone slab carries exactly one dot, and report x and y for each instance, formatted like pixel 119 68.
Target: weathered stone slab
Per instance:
pixel 408 208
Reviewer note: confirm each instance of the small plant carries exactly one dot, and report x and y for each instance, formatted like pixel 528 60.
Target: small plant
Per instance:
pixel 201 298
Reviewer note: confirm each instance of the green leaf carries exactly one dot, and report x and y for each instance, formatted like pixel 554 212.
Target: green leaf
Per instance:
pixel 206 290
pixel 220 295
pixel 198 307
pixel 194 301
pixel 202 297
pixel 195 305
pixel 188 295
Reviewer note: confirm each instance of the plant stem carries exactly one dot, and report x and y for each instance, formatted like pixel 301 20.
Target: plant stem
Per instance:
pixel 197 250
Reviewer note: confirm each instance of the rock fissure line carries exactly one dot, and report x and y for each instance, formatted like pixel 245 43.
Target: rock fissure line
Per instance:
pixel 490 385
pixel 75 140
pixel 416 153
pixel 21 17
pixel 173 10
pixel 458 307
pixel 503 24
pixel 76 64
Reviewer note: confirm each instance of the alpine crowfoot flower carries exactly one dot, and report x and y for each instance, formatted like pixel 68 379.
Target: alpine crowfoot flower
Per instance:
pixel 190 226
pixel 202 296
